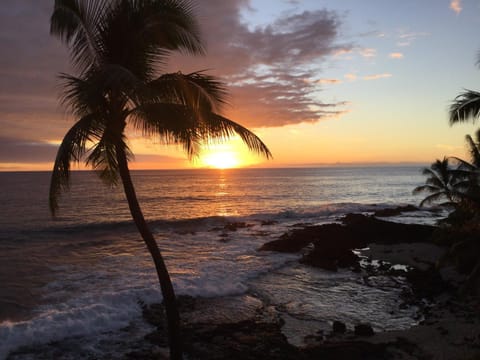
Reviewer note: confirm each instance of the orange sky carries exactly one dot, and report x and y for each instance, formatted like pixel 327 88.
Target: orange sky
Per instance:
pixel 320 82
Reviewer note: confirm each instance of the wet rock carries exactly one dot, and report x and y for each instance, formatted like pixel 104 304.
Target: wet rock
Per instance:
pixel 269 222
pixel 339 327
pixel 154 314
pixel 293 241
pixel 331 256
pixel 371 230
pixel 395 211
pixel 243 340
pixel 427 283
pixel 364 329
pixel 347 350
pixel 356 232
pixel 236 225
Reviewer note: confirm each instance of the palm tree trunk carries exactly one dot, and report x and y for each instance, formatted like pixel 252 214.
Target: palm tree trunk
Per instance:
pixel 173 317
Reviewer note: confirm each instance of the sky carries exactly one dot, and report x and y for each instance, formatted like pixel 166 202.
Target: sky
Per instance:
pixel 319 81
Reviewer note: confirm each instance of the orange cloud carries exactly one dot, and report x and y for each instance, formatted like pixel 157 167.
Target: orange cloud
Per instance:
pixel 396 55
pixel 377 76
pixel 350 77
pixel 456 5
pixel 368 52
pixel 329 81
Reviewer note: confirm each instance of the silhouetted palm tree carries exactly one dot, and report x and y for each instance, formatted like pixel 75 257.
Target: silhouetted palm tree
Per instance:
pixel 466 106
pixel 440 184
pixel 118 48
pixel 467 172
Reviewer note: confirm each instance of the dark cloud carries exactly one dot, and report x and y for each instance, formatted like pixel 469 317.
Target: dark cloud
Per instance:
pixel 24 151
pixel 30 60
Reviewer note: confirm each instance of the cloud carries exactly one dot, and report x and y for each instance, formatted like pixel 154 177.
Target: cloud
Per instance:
pixel 396 55
pixel 350 77
pixel 456 6
pixel 329 81
pixel 407 38
pixel 377 76
pixel 26 151
pixel 271 70
pixel 368 52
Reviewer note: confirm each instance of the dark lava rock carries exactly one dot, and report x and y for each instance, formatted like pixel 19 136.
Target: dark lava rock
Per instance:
pixel 347 350
pixel 371 230
pixel 236 225
pixel 154 314
pixel 427 283
pixel 339 327
pixel 293 241
pixel 268 222
pixel 331 256
pixel 333 243
pixel 364 330
pixel 395 211
pixel 356 232
pixel 243 340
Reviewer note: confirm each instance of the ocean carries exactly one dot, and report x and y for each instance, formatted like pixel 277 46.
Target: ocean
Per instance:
pixel 71 286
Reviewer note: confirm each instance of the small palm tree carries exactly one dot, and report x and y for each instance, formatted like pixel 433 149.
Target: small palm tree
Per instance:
pixel 440 184
pixel 118 48
pixel 467 172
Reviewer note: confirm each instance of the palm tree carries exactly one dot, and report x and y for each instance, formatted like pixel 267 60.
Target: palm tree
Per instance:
pixel 466 106
pixel 118 48
pixel 467 172
pixel 440 184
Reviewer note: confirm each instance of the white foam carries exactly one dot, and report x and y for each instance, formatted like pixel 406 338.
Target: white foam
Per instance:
pixel 80 317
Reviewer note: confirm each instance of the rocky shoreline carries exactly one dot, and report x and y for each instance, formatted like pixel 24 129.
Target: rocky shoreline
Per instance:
pixel 449 327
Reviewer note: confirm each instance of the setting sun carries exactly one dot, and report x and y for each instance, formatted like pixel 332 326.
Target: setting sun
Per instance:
pixel 221 160
pixel 229 154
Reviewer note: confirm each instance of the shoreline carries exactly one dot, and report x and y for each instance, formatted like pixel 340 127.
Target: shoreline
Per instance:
pixel 450 328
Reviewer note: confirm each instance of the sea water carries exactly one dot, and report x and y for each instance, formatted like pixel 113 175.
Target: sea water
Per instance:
pixel 71 286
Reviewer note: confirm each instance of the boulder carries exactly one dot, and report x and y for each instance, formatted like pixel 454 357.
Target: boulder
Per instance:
pixel 395 211
pixel 333 243
pixel 331 256
pixel 371 230
pixel 364 329
pixel 339 327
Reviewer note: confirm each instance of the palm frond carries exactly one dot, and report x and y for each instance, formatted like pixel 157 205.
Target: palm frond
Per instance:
pixel 466 106
pixel 103 156
pixel 92 92
pixel 425 188
pixel 139 35
pixel 435 197
pixel 72 148
pixel 79 23
pixel 463 166
pixel 223 128
pixel 82 96
pixel 179 124
pixel 172 25
pixel 200 92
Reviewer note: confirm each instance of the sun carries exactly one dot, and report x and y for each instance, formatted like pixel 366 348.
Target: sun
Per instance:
pixel 221 160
